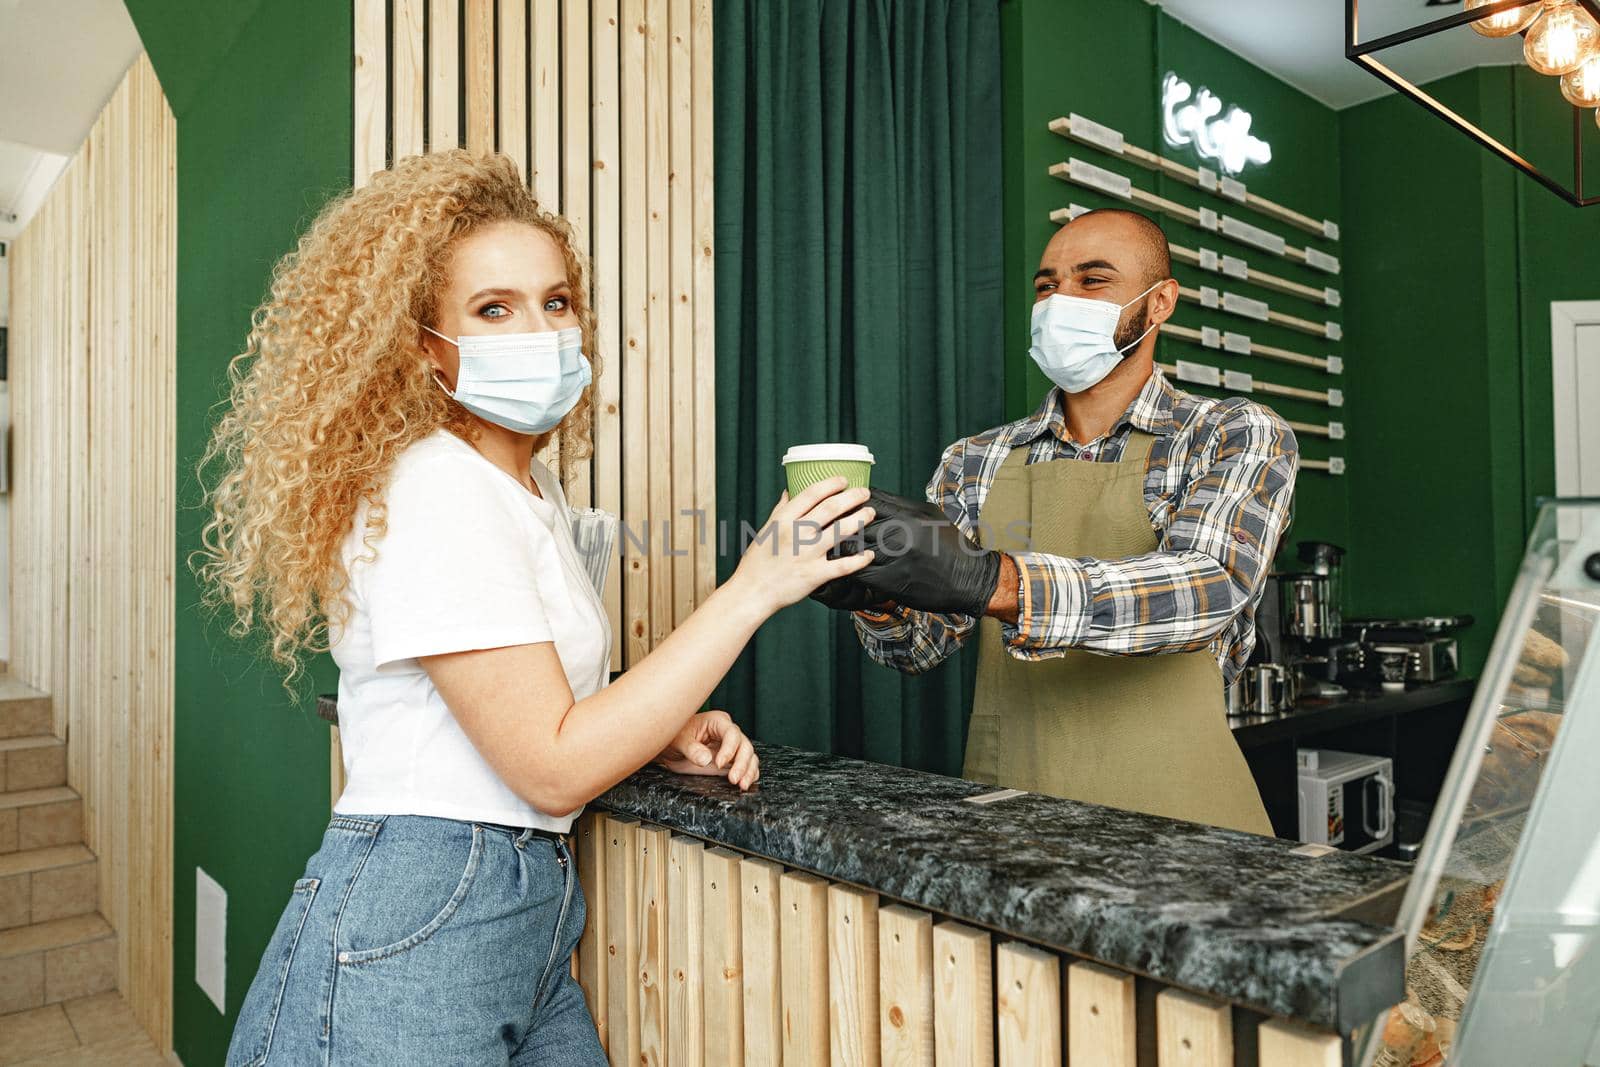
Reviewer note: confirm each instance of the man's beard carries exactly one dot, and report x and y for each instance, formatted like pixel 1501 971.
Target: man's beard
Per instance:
pixel 1128 333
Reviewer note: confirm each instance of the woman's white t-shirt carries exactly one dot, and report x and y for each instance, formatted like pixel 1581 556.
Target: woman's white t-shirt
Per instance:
pixel 470 560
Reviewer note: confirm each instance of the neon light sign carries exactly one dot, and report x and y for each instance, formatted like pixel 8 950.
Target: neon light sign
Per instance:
pixel 1189 117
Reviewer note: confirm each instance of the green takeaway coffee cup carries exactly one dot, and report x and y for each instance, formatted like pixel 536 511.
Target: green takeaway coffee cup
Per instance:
pixel 808 464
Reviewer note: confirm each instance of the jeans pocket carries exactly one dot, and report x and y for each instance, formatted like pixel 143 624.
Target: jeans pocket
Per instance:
pixel 390 888
pixel 259 1013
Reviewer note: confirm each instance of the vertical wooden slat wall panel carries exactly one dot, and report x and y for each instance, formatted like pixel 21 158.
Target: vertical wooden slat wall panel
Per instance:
pixel 409 77
pixel 92 372
pixel 1193 1031
pixel 371 88
pixel 761 948
pixel 1028 1006
pixel 544 75
pixel 592 956
pixel 575 198
pixel 658 350
pixel 543 172
pixel 722 962
pixel 703 301
pixel 478 86
pixel 609 113
pixel 444 75
pixel 679 311
pixel 963 996
pixel 511 72
pixel 85 691
pixel 606 206
pixel 1101 1016
pixel 803 963
pixel 622 941
pixel 905 987
pixel 852 977
pixel 685 953
pixel 638 555
pixel 653 851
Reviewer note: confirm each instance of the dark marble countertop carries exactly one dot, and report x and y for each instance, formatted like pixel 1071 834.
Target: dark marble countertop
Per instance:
pixel 1227 914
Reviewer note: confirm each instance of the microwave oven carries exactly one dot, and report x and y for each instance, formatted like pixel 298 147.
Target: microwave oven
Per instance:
pixel 1346 799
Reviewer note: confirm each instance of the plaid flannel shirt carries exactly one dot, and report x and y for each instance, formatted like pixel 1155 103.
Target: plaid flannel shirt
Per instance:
pixel 1218 488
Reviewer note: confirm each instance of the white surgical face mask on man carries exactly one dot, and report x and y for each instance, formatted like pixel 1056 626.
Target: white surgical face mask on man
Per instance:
pixel 525 382
pixel 1074 338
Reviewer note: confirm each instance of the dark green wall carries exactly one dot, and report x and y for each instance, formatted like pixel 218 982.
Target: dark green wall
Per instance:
pixel 262 98
pixel 1450 320
pixel 1112 74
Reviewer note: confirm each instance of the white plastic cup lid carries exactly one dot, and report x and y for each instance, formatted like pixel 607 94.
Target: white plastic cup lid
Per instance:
pixel 836 451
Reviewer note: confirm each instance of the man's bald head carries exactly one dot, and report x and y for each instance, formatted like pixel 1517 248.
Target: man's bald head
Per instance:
pixel 1117 256
pixel 1146 240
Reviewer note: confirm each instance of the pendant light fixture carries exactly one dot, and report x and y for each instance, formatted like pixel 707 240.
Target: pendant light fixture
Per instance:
pixel 1561 39
pixel 1505 23
pixel 1581 86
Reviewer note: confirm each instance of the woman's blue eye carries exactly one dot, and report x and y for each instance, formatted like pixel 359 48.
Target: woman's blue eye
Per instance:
pixel 501 308
pixel 556 303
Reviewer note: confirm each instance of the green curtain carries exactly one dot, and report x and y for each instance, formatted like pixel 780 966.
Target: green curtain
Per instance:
pixel 859 299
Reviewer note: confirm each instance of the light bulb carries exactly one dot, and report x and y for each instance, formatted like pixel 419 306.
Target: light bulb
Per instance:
pixel 1582 86
pixel 1561 39
pixel 1506 22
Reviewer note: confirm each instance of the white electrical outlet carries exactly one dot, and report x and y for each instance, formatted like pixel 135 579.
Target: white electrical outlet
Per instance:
pixel 211 938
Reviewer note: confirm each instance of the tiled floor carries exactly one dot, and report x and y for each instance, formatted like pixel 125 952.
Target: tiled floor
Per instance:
pixel 88 1032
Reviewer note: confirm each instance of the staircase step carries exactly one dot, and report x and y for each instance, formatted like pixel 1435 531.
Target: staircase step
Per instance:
pixel 24 711
pixel 32 762
pixel 38 818
pixel 46 962
pixel 42 884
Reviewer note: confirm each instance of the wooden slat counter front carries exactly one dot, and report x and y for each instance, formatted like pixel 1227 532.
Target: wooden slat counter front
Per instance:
pixel 853 913
pixel 846 912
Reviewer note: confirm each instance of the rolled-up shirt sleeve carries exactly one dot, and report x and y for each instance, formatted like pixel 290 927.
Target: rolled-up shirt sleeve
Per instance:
pixel 1210 563
pixel 914 641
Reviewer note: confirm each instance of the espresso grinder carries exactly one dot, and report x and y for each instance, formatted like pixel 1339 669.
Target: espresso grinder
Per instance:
pixel 1311 621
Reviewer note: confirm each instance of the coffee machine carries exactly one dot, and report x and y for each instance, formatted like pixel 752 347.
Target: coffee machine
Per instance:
pixel 1312 620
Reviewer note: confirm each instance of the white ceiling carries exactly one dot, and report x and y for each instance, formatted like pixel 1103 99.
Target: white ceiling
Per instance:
pixel 60 61
pixel 1302 42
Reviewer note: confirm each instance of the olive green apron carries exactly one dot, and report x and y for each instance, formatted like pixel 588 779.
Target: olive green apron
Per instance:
pixel 1145 733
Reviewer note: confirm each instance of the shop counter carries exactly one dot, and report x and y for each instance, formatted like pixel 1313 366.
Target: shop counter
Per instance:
pixel 872 909
pixel 849 902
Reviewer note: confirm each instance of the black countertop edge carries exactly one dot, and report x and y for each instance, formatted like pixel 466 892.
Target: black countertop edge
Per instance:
pixel 1252 730
pixel 1229 915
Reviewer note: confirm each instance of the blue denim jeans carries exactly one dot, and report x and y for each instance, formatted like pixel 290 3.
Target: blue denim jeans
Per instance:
pixel 415 940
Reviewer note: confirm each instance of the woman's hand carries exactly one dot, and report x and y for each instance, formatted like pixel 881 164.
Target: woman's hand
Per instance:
pixel 712 743
pixel 789 556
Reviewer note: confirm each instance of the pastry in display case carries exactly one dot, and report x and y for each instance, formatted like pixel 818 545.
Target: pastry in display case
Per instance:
pixel 1502 915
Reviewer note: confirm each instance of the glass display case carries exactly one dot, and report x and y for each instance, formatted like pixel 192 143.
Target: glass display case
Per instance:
pixel 1502 915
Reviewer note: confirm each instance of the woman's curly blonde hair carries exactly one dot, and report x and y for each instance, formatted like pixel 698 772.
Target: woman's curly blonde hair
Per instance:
pixel 333 385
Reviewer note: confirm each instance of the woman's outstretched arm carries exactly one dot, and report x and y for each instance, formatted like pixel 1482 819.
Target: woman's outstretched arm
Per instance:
pixel 515 705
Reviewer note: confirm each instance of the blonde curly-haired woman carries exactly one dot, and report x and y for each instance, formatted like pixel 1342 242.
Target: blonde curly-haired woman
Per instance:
pixel 376 493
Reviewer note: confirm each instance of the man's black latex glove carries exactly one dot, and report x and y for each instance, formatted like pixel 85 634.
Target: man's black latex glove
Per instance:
pixel 923 560
pixel 847 594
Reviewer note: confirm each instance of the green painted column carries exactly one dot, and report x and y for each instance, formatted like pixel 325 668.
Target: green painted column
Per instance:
pixel 261 93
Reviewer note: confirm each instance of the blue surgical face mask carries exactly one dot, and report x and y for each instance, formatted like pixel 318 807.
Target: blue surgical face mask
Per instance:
pixel 1074 339
pixel 526 382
